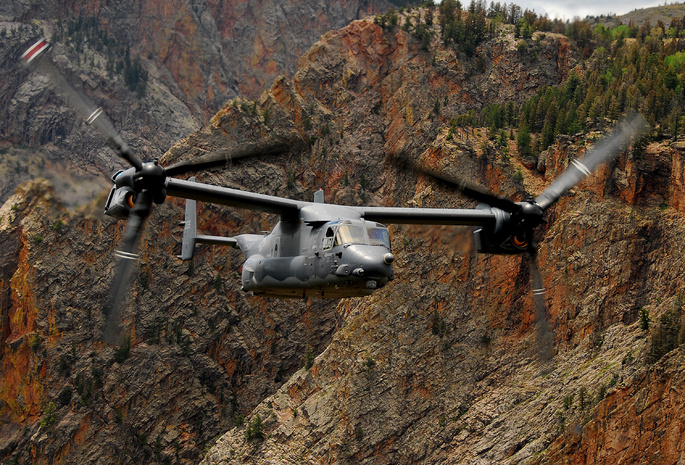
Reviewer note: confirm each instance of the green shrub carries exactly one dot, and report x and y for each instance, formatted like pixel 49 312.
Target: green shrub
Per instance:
pixel 667 334
pixel 34 342
pixel 644 319
pixel 49 415
pixel 122 353
pixel 255 430
pixel 65 396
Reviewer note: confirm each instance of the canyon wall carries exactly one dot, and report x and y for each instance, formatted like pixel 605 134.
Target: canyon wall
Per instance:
pixel 440 366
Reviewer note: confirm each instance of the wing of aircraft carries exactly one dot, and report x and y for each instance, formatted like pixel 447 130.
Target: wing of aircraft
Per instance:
pixel 290 210
pixel 438 216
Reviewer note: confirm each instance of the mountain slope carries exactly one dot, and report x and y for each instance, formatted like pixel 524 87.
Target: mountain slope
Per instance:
pixel 439 366
pixel 655 14
pixel 160 70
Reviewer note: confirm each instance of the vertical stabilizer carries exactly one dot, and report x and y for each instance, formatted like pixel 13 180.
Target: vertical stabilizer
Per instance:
pixel 189 230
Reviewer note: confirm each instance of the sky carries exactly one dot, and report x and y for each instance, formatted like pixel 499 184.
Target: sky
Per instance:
pixel 568 9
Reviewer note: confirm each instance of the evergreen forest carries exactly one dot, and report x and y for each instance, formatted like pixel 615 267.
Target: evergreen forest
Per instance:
pixel 623 67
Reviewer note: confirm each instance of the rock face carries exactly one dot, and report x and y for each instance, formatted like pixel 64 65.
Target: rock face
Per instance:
pixel 641 422
pixel 440 366
pixel 193 365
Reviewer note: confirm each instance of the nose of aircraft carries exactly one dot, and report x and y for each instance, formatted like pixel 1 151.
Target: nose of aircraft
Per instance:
pixel 370 261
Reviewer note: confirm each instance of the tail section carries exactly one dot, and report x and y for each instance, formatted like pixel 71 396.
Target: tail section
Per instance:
pixel 190 236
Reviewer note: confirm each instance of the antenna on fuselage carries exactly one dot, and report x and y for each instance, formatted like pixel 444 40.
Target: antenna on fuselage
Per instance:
pixel 318 196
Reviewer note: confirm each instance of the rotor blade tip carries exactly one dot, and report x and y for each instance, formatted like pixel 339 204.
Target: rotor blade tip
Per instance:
pixel 35 50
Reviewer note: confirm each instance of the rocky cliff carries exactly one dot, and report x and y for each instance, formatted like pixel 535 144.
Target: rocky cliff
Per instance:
pixel 440 366
pixel 188 370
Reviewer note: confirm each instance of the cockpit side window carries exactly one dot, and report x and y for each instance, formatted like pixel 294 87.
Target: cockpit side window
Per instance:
pixel 328 239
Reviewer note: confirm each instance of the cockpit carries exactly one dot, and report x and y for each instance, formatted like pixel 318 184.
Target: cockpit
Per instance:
pixel 362 233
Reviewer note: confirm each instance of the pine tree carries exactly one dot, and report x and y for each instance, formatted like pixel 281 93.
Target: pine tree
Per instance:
pixel 548 129
pixel 523 141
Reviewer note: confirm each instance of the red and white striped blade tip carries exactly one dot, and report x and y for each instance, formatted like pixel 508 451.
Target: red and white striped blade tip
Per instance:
pixel 35 50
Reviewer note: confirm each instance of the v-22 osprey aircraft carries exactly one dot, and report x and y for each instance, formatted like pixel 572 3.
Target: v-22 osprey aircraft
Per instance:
pixel 316 249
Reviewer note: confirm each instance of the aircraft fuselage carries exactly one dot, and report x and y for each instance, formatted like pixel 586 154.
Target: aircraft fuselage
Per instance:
pixel 339 258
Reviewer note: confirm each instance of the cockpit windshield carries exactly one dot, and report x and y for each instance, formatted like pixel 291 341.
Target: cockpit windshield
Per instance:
pixel 348 234
pixel 378 236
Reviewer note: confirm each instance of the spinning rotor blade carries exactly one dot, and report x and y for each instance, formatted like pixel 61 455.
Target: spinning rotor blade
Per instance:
pixel 607 149
pixel 476 193
pixel 545 335
pixel 225 158
pixel 35 57
pixel 126 258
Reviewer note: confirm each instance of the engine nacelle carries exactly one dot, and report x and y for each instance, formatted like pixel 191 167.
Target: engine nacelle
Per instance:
pixel 510 245
pixel 122 197
pixel 507 237
pixel 120 202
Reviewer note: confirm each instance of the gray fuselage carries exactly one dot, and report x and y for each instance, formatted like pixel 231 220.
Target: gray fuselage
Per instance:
pixel 338 258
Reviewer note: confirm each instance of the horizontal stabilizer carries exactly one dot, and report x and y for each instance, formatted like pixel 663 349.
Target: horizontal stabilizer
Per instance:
pixel 217 240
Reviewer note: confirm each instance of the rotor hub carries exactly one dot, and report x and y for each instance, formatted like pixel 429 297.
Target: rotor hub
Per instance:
pixel 151 178
pixel 530 215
